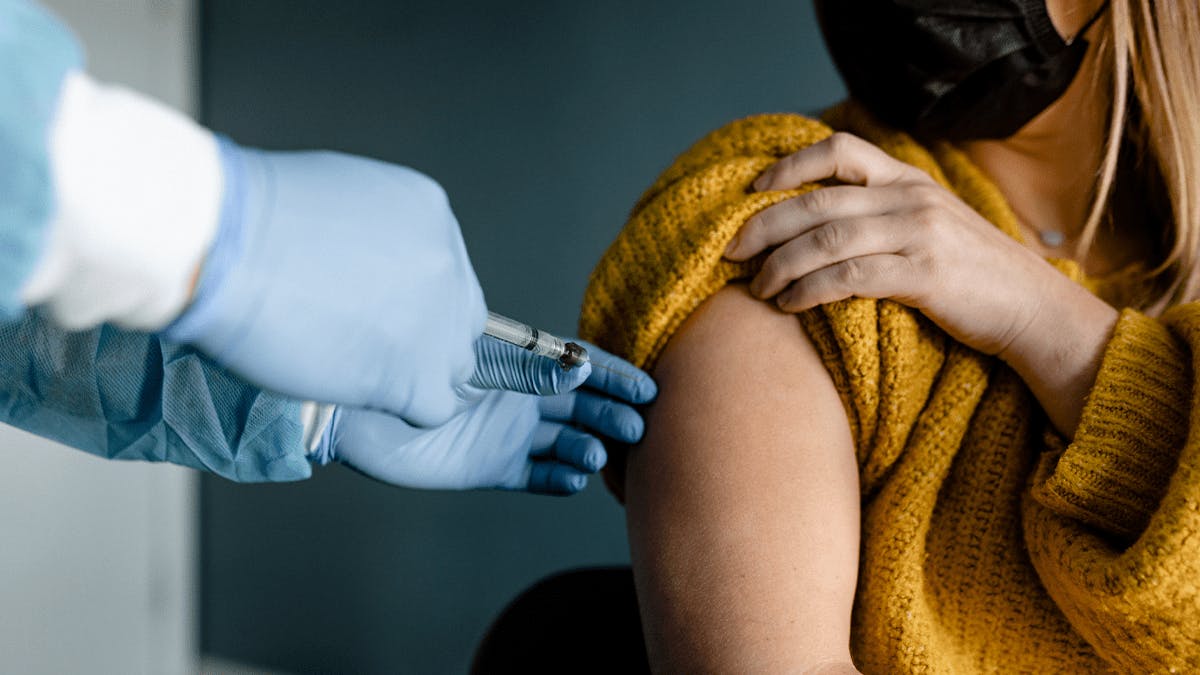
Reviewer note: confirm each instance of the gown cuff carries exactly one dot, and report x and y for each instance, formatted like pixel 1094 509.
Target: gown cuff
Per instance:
pixel 138 190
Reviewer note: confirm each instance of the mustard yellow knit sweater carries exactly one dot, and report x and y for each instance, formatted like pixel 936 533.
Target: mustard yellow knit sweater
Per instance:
pixel 989 544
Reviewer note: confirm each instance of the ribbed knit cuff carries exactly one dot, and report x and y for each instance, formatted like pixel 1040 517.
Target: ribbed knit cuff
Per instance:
pixel 1134 423
pixel 137 190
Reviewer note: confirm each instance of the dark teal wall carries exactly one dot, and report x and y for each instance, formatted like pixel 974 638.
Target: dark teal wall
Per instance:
pixel 544 121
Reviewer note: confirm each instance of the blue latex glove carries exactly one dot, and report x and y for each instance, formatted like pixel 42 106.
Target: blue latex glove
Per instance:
pixel 338 279
pixel 121 394
pixel 542 444
pixel 36 51
pixel 499 365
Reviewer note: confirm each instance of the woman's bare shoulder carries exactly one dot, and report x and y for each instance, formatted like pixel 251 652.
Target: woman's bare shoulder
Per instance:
pixel 747 457
pixel 736 340
pixel 738 377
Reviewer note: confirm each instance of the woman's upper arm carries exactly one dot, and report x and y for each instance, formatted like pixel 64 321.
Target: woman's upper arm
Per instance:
pixel 743 499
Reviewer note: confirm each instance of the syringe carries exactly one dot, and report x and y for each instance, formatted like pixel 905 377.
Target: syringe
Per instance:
pixel 568 354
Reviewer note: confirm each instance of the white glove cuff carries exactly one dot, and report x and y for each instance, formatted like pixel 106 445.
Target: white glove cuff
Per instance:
pixel 138 196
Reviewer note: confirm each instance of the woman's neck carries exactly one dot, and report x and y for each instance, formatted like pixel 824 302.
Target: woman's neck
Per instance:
pixel 1048 169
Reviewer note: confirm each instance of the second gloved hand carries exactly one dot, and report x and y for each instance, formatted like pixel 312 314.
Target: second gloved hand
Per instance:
pixel 507 440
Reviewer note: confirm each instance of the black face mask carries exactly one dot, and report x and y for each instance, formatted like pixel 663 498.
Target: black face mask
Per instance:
pixel 951 69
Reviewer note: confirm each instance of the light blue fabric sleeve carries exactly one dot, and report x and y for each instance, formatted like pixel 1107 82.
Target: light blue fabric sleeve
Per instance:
pixel 127 395
pixel 36 51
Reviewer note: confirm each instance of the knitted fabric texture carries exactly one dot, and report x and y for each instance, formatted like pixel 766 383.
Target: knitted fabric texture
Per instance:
pixel 989 543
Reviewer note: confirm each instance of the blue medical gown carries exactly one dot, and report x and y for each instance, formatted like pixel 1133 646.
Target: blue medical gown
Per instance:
pixel 127 395
pixel 36 52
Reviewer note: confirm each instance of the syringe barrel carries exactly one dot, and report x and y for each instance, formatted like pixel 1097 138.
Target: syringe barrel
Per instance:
pixel 527 337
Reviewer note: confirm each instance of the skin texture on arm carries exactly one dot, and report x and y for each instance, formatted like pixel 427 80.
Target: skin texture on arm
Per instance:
pixel 742 500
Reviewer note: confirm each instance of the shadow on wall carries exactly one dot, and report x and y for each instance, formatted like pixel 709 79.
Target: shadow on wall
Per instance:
pixel 544 121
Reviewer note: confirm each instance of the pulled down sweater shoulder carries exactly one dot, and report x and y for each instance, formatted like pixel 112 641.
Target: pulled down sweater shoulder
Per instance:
pixel 989 543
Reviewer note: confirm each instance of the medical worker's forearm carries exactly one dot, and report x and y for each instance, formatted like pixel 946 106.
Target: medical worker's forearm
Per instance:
pixel 122 394
pixel 318 275
pixel 110 200
pixel 36 52
pixel 137 197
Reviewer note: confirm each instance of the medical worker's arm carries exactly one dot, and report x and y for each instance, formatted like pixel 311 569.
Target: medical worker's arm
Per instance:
pixel 36 53
pixel 320 275
pixel 121 394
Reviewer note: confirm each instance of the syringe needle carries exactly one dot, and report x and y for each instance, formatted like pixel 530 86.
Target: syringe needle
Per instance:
pixel 614 371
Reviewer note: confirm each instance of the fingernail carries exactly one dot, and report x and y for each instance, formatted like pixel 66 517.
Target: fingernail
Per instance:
pixel 783 299
pixel 733 244
pixel 762 182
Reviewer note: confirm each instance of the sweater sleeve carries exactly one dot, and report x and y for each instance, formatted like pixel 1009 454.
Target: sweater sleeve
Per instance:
pixel 668 259
pixel 1113 522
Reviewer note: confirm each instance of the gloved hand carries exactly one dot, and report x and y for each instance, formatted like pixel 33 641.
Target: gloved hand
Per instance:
pixel 338 279
pixel 542 444
pixel 499 365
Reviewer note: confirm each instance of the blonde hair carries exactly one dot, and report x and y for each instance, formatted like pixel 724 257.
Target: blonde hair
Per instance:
pixel 1152 52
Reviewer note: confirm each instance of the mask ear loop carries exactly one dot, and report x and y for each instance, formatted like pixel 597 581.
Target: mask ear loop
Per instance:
pixel 1087 26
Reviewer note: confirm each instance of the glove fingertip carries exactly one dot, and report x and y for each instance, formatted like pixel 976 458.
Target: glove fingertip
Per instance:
pixel 552 379
pixel 576 483
pixel 552 478
pixel 634 428
pixel 626 423
pixel 572 379
pixel 646 390
pixel 595 459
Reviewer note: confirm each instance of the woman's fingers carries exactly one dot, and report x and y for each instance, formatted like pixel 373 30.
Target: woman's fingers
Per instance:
pixel 873 276
pixel 825 245
pixel 879 185
pixel 792 218
pixel 843 156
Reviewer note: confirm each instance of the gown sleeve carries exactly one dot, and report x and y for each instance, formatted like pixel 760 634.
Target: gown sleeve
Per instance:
pixel 122 394
pixel 36 53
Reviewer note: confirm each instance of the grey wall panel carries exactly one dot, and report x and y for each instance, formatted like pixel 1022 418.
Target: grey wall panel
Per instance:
pixel 544 121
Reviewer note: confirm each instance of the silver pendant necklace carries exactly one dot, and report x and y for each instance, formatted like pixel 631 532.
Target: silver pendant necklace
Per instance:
pixel 1051 238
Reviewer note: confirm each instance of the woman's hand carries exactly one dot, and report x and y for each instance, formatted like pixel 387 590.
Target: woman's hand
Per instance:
pixel 893 232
